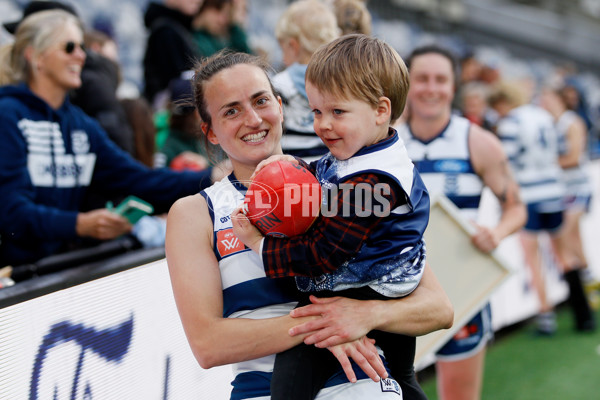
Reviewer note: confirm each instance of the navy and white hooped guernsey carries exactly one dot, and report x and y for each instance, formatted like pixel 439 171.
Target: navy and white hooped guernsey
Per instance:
pixel 576 179
pixel 532 145
pixel 392 260
pixel 248 293
pixel 299 138
pixel 445 164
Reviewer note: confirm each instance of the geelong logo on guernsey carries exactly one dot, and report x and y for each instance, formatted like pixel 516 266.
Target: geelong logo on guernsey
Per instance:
pixel 390 385
pixel 48 162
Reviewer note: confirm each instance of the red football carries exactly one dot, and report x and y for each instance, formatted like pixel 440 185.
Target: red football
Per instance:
pixel 283 199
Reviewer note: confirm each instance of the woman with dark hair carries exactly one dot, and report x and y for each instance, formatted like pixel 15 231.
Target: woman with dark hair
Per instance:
pixel 231 312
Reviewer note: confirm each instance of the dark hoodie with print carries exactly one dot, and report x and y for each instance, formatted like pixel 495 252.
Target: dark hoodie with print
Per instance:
pixel 48 160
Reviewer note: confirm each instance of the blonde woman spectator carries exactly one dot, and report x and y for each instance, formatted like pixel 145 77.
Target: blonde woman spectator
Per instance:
pixel 352 16
pixel 303 27
pixel 52 153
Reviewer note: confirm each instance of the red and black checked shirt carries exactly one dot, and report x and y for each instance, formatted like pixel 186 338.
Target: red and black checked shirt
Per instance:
pixel 331 241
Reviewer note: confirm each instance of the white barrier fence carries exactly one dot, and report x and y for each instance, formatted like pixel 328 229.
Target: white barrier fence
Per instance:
pixel 120 337
pixel 114 338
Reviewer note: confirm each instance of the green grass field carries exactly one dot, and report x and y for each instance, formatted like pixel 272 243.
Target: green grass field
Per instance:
pixel 523 366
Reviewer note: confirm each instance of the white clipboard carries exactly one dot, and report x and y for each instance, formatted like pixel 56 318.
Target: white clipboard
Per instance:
pixel 468 275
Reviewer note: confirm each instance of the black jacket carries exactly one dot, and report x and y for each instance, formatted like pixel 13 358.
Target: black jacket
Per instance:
pixel 97 97
pixel 170 48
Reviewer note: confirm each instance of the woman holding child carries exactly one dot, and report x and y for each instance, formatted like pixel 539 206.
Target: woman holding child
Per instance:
pixel 233 313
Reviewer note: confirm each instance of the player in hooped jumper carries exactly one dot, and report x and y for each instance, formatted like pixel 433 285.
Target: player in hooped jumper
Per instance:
pixel 353 253
pixel 231 312
pixel 458 159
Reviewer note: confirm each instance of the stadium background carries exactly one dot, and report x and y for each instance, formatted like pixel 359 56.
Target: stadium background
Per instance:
pixel 43 353
pixel 519 37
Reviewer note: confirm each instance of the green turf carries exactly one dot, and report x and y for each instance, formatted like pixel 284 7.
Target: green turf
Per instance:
pixel 521 365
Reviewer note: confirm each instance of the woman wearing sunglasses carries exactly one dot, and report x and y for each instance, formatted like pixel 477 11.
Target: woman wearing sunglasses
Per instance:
pixel 52 152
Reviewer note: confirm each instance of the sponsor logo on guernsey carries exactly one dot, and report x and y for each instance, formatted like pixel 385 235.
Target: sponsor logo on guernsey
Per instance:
pixel 390 385
pixel 467 331
pixel 451 166
pixel 228 243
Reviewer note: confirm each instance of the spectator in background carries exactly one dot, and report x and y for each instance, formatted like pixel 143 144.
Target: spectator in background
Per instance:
pixel 577 102
pixel 472 102
pixel 574 163
pixel 352 16
pixel 471 69
pixel 35 6
pixel 170 47
pixel 101 43
pixel 533 145
pixel 97 95
pixel 100 78
pixel 52 152
pixel 183 148
pixel 304 26
pixel 218 25
pixel 139 116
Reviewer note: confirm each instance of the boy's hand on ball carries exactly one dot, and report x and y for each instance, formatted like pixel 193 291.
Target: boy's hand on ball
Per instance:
pixel 245 231
pixel 278 157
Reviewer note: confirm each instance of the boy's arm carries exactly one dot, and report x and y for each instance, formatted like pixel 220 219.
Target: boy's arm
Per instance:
pixel 333 240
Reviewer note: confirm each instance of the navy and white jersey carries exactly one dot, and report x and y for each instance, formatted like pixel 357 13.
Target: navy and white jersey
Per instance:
pixel 532 145
pixel 445 164
pixel 576 179
pixel 299 138
pixel 242 271
pixel 248 293
pixel 391 261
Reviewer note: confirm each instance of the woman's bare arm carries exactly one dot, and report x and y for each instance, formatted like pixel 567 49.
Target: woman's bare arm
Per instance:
pixel 425 310
pixel 196 282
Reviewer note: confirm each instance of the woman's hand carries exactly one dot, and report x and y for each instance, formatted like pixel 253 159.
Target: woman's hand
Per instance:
pixel 101 224
pixel 278 157
pixel 365 355
pixel 245 231
pixel 485 239
pixel 342 320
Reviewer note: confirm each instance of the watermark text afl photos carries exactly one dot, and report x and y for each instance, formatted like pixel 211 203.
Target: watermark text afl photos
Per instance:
pixel 362 199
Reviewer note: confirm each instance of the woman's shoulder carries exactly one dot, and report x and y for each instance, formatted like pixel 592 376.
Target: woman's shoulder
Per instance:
pixel 14 109
pixel 193 204
pixel 189 213
pixel 14 97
